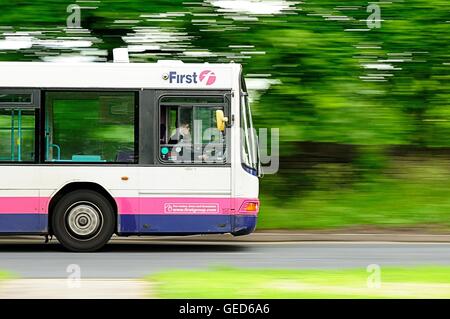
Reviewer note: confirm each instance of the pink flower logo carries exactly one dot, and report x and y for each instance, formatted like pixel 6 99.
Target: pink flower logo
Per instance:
pixel 207 76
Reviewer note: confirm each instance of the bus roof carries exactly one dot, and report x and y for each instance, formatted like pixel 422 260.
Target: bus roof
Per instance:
pixel 160 75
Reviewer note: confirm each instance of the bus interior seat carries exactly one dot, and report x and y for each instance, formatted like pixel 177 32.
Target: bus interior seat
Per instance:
pixel 87 158
pixel 125 157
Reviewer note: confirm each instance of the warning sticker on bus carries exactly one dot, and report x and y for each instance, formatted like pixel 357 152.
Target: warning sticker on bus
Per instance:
pixel 192 208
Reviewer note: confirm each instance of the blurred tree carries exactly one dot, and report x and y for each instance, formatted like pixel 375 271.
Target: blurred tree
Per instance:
pixel 333 78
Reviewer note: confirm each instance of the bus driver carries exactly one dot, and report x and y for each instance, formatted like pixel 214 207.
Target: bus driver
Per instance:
pixel 182 135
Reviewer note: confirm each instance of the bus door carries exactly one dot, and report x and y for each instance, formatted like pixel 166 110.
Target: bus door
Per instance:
pixel 188 190
pixel 19 192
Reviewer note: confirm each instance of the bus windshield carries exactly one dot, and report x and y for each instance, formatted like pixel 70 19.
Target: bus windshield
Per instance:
pixel 250 154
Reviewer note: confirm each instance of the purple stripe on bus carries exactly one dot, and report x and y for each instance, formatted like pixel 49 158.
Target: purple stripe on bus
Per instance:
pixel 23 223
pixel 186 224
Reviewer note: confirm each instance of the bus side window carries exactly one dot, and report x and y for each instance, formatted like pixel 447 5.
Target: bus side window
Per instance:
pixel 188 130
pixel 90 127
pixel 17 135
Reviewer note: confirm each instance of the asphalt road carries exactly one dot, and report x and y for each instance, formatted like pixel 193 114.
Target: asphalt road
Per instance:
pixel 137 258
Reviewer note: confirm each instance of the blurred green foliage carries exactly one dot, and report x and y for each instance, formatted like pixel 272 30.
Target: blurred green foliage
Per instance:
pixel 222 282
pixel 356 96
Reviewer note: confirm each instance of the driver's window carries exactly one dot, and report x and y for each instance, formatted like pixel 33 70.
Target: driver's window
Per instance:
pixel 188 130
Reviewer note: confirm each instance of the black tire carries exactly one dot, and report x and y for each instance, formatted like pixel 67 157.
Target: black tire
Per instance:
pixel 74 210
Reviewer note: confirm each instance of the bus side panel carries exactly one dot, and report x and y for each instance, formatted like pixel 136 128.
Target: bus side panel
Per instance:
pixel 180 224
pixel 185 215
pixel 128 218
pixel 20 214
pixel 174 215
pixel 20 211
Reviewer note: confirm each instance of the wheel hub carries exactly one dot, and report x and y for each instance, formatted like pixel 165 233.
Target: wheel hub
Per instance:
pixel 83 220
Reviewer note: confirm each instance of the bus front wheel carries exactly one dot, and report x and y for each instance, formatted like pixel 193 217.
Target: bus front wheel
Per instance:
pixel 83 221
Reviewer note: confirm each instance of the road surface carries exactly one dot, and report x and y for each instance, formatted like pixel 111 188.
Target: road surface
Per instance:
pixel 137 258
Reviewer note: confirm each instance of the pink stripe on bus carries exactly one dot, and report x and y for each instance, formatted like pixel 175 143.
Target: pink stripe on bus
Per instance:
pixel 180 205
pixel 21 205
pixel 141 206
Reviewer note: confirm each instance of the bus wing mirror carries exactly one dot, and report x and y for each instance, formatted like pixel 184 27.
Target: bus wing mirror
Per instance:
pixel 221 120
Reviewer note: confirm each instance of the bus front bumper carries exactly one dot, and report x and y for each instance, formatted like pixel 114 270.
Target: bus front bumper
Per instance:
pixel 244 225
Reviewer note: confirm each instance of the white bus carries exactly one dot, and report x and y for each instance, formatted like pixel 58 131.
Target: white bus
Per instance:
pixel 88 150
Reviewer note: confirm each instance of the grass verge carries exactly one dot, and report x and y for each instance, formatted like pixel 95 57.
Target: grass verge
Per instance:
pixel 4 275
pixel 410 282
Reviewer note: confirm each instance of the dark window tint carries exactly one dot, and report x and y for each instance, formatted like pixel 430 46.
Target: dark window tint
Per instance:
pixel 22 98
pixel 192 100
